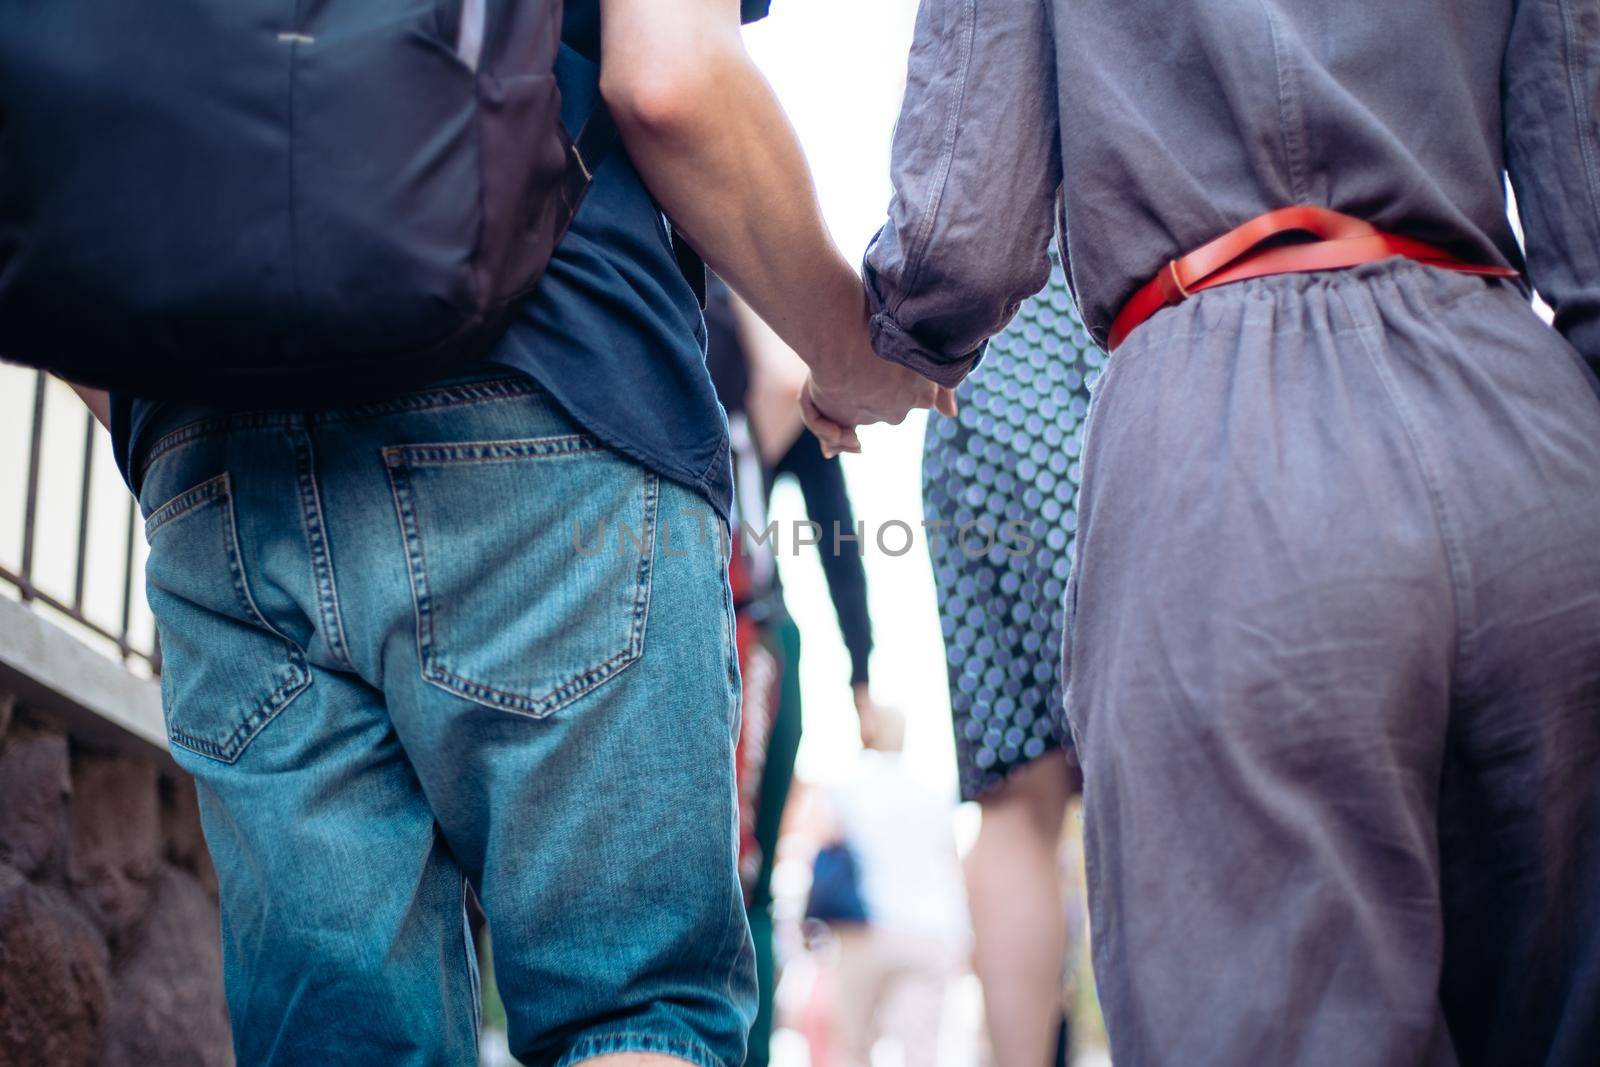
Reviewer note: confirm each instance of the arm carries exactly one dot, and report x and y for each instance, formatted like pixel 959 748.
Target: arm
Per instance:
pixel 777 375
pixel 828 505
pixel 98 401
pixel 1552 94
pixel 706 133
pixel 976 167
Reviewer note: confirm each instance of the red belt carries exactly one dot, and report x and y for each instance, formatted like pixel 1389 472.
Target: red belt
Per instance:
pixel 1341 241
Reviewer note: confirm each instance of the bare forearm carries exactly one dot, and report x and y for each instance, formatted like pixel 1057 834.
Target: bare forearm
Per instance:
pixel 707 135
pixel 98 401
pixel 715 148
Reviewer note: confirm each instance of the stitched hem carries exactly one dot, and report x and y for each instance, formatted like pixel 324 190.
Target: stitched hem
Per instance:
pixel 892 342
pixel 613 1042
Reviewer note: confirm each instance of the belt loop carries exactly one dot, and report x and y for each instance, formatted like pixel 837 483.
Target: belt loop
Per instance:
pixel 1172 268
pixel 1171 290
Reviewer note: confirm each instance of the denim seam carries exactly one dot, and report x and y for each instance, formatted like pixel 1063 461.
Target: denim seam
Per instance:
pixel 185 502
pixel 614 1041
pixel 1455 559
pixel 489 389
pixel 254 420
pixel 448 396
pixel 732 896
pixel 416 555
pixel 264 712
pixel 219 490
pixel 470 958
pixel 730 622
pixel 430 455
pixel 892 342
pixel 316 531
pixel 399 486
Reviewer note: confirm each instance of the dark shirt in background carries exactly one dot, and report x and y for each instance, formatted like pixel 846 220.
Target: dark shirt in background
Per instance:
pixel 821 482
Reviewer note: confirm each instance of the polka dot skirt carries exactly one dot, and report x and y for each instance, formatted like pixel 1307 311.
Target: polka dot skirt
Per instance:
pixel 999 484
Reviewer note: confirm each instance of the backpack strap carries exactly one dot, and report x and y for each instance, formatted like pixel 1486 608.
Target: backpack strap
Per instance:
pixel 692 266
pixel 585 155
pixel 595 141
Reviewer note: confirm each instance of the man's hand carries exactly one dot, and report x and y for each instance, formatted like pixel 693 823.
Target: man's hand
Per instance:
pixel 849 386
pixel 866 391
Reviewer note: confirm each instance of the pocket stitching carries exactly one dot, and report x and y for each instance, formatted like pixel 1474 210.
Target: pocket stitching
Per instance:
pixel 399 459
pixel 187 501
pixel 264 712
pixel 219 490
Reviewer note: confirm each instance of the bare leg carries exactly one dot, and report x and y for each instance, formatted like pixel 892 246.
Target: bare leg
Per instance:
pixel 913 1008
pixel 865 966
pixel 1018 919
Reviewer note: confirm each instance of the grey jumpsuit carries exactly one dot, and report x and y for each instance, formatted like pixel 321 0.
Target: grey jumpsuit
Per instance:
pixel 1334 625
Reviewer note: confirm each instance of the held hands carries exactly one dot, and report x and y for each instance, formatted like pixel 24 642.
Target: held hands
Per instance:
pixel 851 387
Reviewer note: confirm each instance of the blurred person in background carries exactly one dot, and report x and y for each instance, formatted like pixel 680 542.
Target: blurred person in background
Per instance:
pixel 999 487
pixel 758 380
pixel 887 884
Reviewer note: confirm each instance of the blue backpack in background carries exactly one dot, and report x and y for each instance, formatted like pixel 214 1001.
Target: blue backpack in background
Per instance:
pixel 835 895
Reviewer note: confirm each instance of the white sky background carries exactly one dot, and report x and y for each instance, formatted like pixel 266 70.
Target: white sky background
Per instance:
pixel 838 66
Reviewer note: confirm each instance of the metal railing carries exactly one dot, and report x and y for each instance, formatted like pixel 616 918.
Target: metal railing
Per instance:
pixel 72 604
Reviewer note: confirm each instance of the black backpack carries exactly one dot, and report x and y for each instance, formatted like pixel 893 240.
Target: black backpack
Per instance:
pixel 275 203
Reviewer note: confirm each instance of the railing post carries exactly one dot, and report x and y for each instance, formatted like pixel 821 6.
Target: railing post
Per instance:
pixel 90 426
pixel 127 578
pixel 30 510
pixel 74 607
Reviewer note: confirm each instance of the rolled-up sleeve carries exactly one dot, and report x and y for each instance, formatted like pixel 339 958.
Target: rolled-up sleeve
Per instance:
pixel 976 167
pixel 1552 92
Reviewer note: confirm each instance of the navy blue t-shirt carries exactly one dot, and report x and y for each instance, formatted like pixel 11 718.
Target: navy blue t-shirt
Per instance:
pixel 613 331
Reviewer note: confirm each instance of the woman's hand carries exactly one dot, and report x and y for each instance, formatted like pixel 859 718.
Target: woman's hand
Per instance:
pixel 850 386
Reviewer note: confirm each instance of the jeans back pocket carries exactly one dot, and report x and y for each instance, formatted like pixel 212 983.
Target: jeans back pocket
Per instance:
pixel 225 672
pixel 530 565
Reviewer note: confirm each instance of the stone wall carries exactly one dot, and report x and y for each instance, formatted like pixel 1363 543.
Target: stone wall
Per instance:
pixel 109 945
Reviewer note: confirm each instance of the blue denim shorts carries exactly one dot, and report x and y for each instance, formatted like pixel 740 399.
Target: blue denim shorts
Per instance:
pixel 442 642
